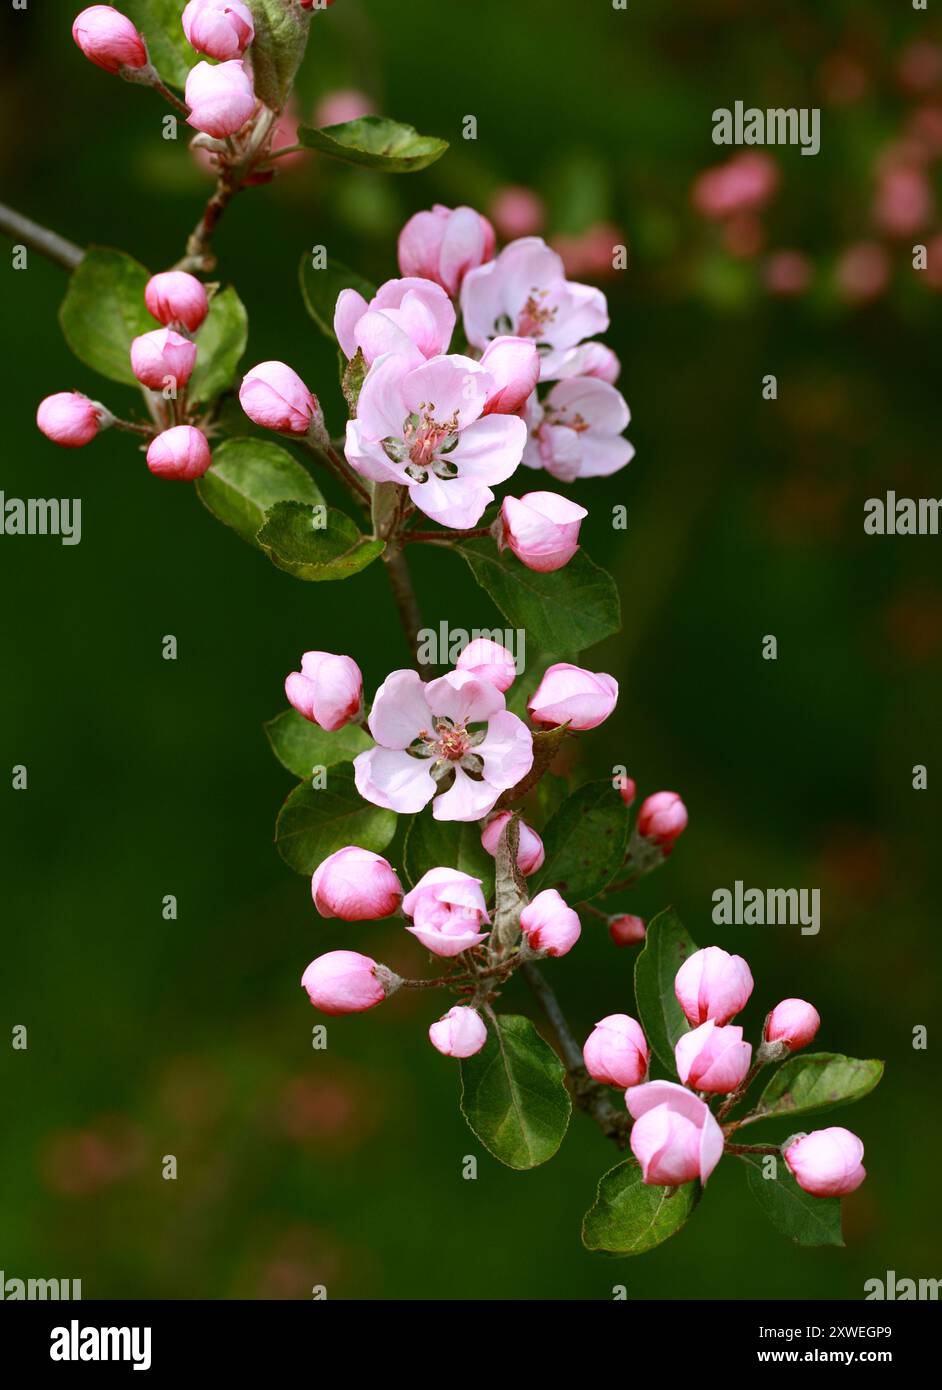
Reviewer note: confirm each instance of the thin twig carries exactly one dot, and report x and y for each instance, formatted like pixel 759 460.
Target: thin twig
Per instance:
pixel 49 244
pixel 407 605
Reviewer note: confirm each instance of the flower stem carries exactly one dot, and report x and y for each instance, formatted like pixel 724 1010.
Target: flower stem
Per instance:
pixel 407 605
pixel 444 537
pixel 752 1149
pixel 49 244
pixel 740 1091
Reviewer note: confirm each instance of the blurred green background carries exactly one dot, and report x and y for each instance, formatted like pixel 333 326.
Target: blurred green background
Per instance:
pixel 149 777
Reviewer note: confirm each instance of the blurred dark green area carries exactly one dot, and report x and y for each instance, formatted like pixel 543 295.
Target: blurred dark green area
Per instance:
pixel 150 777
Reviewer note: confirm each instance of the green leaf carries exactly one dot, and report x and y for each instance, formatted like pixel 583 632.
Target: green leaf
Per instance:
pixel 585 842
pixel 313 824
pixel 300 746
pixel 281 32
pixel 351 382
pixel 795 1213
pixel 316 543
pixel 628 1217
pixel 104 310
pixel 667 945
pixel 377 143
pixel 247 478
pixel 221 342
pixel 159 23
pixel 513 1094
pixel 452 844
pixel 321 289
pixel 565 611
pixel 817 1081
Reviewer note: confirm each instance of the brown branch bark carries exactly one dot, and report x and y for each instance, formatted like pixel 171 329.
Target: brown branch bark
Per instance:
pixel 49 244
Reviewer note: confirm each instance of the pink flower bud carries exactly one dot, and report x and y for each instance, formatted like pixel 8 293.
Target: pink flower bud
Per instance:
pixel 275 397
pixel 542 529
pixel 343 982
pixel 447 907
pixel 181 453
pixel 627 790
pixel 355 885
pixel 461 1033
pixel 220 97
pixel 626 930
pixel 490 661
pixel 514 363
pixel 69 418
pixel 662 818
pixel 675 1136
pixel 616 1052
pixel 221 30
pixel 827 1162
pixel 162 358
pixel 793 1022
pixel 109 39
pixel 444 244
pixel 549 924
pixel 328 689
pixel 530 853
pixel 714 1059
pixel 712 984
pixel 176 297
pixel 568 694
pixel 517 212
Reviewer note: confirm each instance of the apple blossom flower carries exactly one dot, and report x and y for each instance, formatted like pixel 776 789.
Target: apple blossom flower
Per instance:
pixel 343 982
pixel 219 28
pixel 173 296
pixel 712 1058
pixel 444 244
pixel 489 660
pixel 328 689
pixel 514 363
pixel 569 695
pixel 447 909
pixel 422 427
pixel 220 96
pixel 411 317
pixel 594 360
pixel 455 730
pixel 162 357
pixel 675 1136
pixel 827 1162
pixel 517 212
pixel 524 292
pixel 627 789
pixel 109 39
pixel 793 1022
pixel 549 924
pixel 662 818
pixel 355 885
pixel 541 528
pixel 577 431
pixel 712 984
pixel 626 930
pixel 616 1052
pixel 530 852
pixel 461 1033
pixel 274 396
pixel 341 105
pixel 181 453
pixel 70 419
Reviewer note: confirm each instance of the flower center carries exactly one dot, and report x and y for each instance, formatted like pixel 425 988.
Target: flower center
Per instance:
pixel 557 415
pixel 424 440
pixel 535 315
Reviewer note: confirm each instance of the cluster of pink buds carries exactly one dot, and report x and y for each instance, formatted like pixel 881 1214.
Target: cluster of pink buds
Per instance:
pixel 676 1136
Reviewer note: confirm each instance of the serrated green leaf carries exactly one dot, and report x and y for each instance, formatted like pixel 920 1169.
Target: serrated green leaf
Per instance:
pixel 159 22
pixel 795 1213
pixel 298 544
pixel 321 288
pixel 376 143
pixel 513 1094
pixel 452 844
pixel 817 1081
pixel 300 746
pixel 667 945
pixel 313 824
pixel 628 1217
pixel 220 344
pixel 281 34
pixel 585 843
pixel 565 611
pixel 104 311
pixel 250 476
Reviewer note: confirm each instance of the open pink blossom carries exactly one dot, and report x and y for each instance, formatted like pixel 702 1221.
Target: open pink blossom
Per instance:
pixel 220 28
pixel 712 984
pixel 514 363
pixel 444 244
pixel 524 292
pixel 328 689
pixel 448 910
pixel 675 1136
pixel 616 1052
pixel 355 885
pixel 461 1033
pixel 827 1162
pixel 412 317
pixel 568 694
pixel 577 431
pixel 530 852
pixel 550 925
pixel 453 736
pixel 712 1058
pixel 422 427
pixel 220 96
pixel 489 660
pixel 542 529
